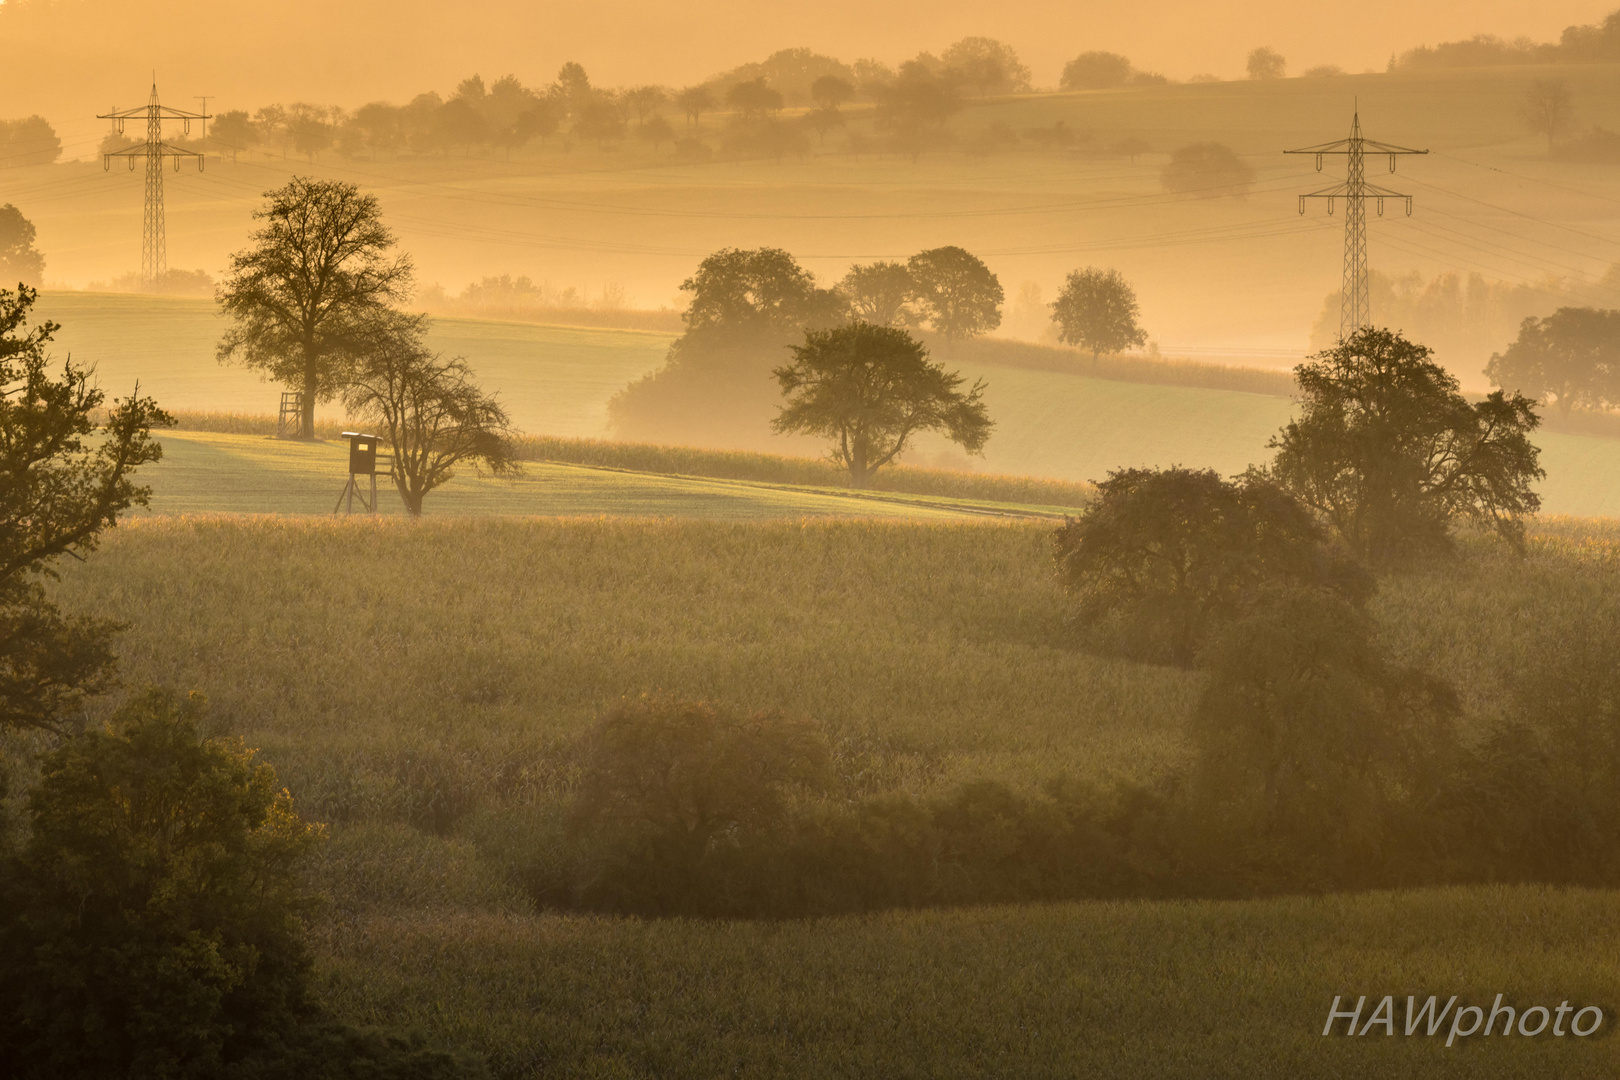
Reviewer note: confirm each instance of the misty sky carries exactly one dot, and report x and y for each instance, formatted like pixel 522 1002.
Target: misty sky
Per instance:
pixel 79 56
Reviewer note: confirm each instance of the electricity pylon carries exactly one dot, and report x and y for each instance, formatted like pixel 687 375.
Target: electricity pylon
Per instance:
pixel 1354 303
pixel 154 257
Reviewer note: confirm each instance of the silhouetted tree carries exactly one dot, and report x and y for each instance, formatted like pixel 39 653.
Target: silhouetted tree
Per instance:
pixel 63 482
pixel 644 101
pixel 754 99
pixel 656 131
pixel 1571 357
pixel 318 272
pixel 1162 559
pixel 1097 310
pixel 29 141
pixel 1266 63
pixel 879 293
pixel 20 260
pixel 433 416
pixel 870 390
pixel 958 293
pixel 987 66
pixel 599 121
pixel 831 91
pixel 1549 108
pixel 1095 71
pixel 232 132
pixel 572 89
pixel 914 106
pixel 694 102
pixel 1391 454
pixel 1208 170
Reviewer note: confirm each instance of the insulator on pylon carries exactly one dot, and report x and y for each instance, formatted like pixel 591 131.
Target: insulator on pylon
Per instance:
pixel 106 164
pixel 1392 163
pixel 1409 206
pixel 1318 162
pixel 1330 208
pixel 1380 206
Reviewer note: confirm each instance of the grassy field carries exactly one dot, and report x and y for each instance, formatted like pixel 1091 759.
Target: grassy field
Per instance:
pixel 421 685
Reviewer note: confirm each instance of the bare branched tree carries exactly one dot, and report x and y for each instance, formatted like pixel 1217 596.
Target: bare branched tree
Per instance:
pixel 431 412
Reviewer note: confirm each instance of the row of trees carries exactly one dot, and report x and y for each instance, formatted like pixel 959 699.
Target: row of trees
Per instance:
pixel 1580 43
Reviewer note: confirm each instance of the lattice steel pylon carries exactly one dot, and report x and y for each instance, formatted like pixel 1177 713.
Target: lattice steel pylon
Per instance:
pixel 154 257
pixel 1355 307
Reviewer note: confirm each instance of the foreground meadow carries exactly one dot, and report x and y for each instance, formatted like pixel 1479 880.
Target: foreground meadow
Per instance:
pixel 422 687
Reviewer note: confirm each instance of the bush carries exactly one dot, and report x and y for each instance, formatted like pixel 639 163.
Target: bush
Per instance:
pixel 1208 170
pixel 673 794
pixel 1311 747
pixel 1164 558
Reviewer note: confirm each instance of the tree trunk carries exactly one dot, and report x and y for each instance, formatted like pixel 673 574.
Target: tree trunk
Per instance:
pixel 311 383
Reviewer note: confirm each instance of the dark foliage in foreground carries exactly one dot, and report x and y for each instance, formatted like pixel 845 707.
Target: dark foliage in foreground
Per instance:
pixel 154 919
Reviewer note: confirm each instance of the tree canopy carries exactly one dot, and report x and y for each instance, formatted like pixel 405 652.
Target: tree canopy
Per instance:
pixel 1097 310
pixel 64 481
pixel 1389 451
pixel 317 274
pixel 1095 71
pixel 987 65
pixel 1266 63
pixel 880 293
pixel 1549 109
pixel 870 390
pixel 433 415
pixel 1163 559
pixel 20 261
pixel 1569 358
pixel 957 292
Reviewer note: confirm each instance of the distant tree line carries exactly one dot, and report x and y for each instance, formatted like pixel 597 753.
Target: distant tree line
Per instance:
pixel 1578 44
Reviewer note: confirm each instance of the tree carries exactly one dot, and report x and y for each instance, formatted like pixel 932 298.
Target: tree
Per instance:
pixel 63 483
pixel 234 132
pixel 20 260
pixel 754 100
pixel 1097 310
pixel 1266 63
pixel 1207 170
pixel 644 101
pixel 824 120
pixel 1133 147
pixel 154 919
pixel 656 131
pixel 831 91
pixel 572 88
pixel 432 414
pixel 880 293
pixel 914 106
pixel 959 294
pixel 316 274
pixel 988 66
pixel 694 102
pixel 871 390
pixel 1163 559
pixel 1571 357
pixel 1549 108
pixel 1310 744
pixel 1391 454
pixel 1095 71
pixel 747 305
pixel 158 910
pixel 29 141
pixel 600 121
